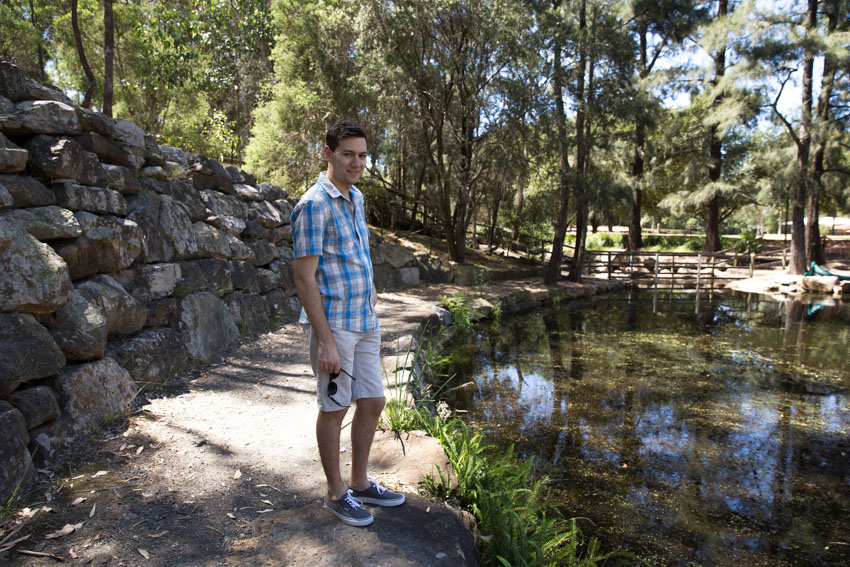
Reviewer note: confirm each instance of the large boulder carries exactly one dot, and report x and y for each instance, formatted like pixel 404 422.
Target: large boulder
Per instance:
pixel 265 213
pixel 5 198
pixel 224 205
pixel 183 191
pixel 102 148
pixel 96 122
pixel 154 356
pixel 212 243
pixel 92 199
pixel 243 275
pixel 41 117
pixel 33 278
pixel 118 241
pixel 250 313
pixel 79 327
pixel 166 227
pixel 207 173
pixel 209 273
pixel 119 178
pixel 819 284
pixel 129 133
pixel 16 87
pixel 150 281
pixel 206 325
pixel 27 192
pixel 175 155
pixel 91 392
pixel 38 405
pixel 80 254
pixel 239 250
pixel 46 223
pixel 124 314
pixel 163 313
pixel 231 225
pixel 15 470
pixel 27 351
pixel 264 252
pixel 12 158
pixel 62 159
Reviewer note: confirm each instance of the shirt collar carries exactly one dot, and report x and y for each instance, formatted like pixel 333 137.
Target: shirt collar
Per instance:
pixel 331 189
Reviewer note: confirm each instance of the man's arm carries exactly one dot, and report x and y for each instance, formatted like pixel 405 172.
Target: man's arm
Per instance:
pixel 311 299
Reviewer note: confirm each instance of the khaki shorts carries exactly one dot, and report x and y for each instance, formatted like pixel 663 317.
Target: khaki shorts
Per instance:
pixel 359 355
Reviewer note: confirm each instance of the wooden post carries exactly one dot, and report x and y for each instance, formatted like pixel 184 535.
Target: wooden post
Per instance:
pixel 609 264
pixel 783 259
pixel 699 270
pixel 752 263
pixel 656 271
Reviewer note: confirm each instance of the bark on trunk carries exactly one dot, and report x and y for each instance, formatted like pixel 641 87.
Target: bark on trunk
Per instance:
pixel 108 56
pixel 81 53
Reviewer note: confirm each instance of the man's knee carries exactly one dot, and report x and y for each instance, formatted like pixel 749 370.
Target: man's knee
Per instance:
pixel 371 406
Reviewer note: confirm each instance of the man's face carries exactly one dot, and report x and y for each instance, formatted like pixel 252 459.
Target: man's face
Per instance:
pixel 347 162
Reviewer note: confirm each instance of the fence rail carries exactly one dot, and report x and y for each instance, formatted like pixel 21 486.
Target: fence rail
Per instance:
pixel 680 270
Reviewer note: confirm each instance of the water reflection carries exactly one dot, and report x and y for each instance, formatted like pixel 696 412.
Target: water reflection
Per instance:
pixel 715 435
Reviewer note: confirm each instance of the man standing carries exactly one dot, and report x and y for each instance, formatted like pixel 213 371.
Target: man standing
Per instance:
pixel 335 282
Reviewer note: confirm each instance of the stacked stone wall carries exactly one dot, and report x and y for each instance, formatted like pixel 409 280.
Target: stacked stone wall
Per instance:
pixel 121 263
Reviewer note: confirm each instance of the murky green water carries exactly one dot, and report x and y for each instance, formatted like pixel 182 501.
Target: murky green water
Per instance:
pixel 716 434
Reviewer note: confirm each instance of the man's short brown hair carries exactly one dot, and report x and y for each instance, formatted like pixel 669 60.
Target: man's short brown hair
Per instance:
pixel 342 130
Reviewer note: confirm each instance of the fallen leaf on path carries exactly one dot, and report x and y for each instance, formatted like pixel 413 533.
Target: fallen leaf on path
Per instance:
pixel 93 508
pixel 237 474
pixel 270 503
pixel 144 553
pixel 99 473
pixel 160 534
pixel 72 553
pixel 140 449
pixel 231 516
pixel 78 501
pixel 266 511
pixel 68 529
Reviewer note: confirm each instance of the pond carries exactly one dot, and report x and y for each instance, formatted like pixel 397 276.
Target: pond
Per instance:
pixel 687 431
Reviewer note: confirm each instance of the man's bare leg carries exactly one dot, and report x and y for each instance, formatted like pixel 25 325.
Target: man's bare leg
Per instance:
pixel 366 416
pixel 328 426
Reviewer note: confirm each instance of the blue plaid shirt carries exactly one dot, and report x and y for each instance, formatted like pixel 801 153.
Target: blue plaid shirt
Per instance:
pixel 328 225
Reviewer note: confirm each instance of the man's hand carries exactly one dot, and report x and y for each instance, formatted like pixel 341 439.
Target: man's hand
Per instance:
pixel 311 299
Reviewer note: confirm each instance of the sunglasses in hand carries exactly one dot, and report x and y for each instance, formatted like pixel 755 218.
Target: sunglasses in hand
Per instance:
pixel 332 388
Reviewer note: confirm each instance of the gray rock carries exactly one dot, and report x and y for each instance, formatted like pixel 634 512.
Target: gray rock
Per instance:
pixel 105 150
pixel 15 469
pixel 135 155
pixel 153 155
pixel 166 226
pixel 175 155
pixel 96 122
pixel 129 133
pixel 162 313
pixel 255 230
pixel 155 356
pixel 118 241
pixel 286 254
pixel 154 172
pixel 409 276
pixel 38 405
pixel 844 288
pixel 223 205
pixel 33 117
pixel 8 107
pixel 27 351
pixel 285 208
pixel 279 308
pixel 396 256
pixel 211 241
pixel 210 273
pixel 207 173
pixel 124 314
pixel 265 213
pixel 264 252
pixel 267 280
pixel 285 273
pixel 46 223
pixel 206 325
pixel 5 198
pixel 33 278
pixel 27 192
pixel 231 225
pixel 247 193
pixel 92 199
pixel 819 284
pixel 119 178
pixel 235 174
pixel 80 255
pixel 250 313
pixel 175 170
pixel 183 191
pixel 14 84
pixel 239 250
pixel 162 187
pixel 271 192
pixel 91 392
pixel 79 327
pixel 12 158
pixel 386 278
pixel 150 281
pixel 62 159
pixel 243 275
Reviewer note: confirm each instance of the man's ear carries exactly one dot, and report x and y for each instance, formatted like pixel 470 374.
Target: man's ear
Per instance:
pixel 326 151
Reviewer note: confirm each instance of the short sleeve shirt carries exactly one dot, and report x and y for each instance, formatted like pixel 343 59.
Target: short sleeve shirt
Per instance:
pixel 327 224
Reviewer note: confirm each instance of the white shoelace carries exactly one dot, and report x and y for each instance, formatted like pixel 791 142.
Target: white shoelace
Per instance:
pixel 351 501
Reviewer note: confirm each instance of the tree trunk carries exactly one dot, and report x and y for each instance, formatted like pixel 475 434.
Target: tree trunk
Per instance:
pixel 42 56
pixel 553 269
pixel 585 66
pixel 712 224
pixel 81 52
pixel 635 232
pixel 799 250
pixel 108 56
pixel 711 208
